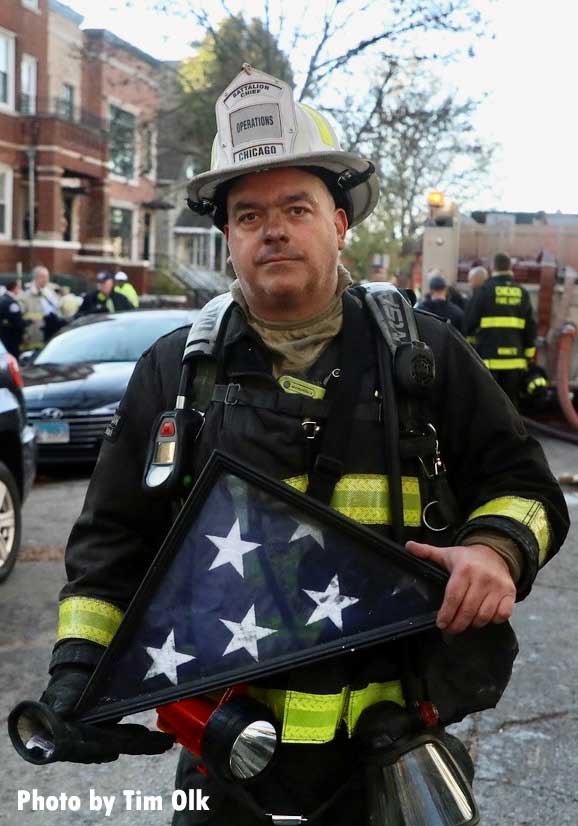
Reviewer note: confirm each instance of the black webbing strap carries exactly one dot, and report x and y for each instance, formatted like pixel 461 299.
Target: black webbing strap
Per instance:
pixel 291 404
pixel 238 792
pixel 329 463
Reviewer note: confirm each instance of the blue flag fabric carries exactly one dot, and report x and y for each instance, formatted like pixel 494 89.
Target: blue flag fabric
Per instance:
pixel 255 584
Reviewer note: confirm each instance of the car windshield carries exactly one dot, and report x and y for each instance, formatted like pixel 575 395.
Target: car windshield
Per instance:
pixel 108 340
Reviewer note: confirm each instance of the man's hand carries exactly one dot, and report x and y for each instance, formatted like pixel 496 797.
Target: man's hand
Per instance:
pixel 99 743
pixel 480 589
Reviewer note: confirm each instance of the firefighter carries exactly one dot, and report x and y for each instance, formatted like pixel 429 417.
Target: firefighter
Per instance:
pixel 284 194
pixel 499 319
pixel 439 304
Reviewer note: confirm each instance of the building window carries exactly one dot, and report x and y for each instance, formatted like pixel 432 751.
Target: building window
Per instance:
pixel 148 150
pixel 66 102
pixel 5 202
pixel 28 68
pixel 6 70
pixel 200 250
pixel 31 4
pixel 120 231
pixel 122 142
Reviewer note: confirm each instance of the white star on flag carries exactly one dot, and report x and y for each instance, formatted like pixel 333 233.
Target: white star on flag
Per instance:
pixel 246 634
pixel 307 529
pixel 330 604
pixel 166 660
pixel 231 549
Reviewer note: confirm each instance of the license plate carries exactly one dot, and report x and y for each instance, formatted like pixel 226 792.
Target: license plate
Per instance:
pixel 50 433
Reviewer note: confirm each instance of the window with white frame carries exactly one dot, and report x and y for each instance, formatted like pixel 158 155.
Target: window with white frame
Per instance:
pixel 28 72
pixel 122 142
pixel 121 231
pixel 31 4
pixel 5 202
pixel 66 102
pixel 6 69
pixel 200 249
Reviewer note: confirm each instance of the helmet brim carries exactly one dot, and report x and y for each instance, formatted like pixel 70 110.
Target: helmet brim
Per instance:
pixel 364 196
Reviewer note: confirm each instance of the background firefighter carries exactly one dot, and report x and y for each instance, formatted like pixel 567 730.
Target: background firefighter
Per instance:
pixel 500 323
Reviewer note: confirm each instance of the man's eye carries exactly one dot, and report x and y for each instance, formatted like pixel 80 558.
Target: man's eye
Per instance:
pixel 247 218
pixel 298 210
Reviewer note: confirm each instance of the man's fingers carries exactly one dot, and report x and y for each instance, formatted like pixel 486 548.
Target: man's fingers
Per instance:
pixel 455 594
pixel 505 609
pixel 486 611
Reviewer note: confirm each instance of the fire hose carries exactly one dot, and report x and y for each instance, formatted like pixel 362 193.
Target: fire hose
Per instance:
pixel 563 363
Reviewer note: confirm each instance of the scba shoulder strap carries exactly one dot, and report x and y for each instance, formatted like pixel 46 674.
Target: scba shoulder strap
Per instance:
pixel 413 360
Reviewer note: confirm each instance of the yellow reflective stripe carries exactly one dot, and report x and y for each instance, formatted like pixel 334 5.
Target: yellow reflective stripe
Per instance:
pixel 505 321
pixel 322 125
pixel 314 718
pixel 528 512
pixel 374 693
pixel 364 497
pixel 530 352
pixel 540 382
pixel 306 718
pixel 88 619
pixel 507 351
pixel 506 364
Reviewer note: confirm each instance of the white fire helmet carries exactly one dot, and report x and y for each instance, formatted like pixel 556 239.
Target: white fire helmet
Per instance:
pixel 260 127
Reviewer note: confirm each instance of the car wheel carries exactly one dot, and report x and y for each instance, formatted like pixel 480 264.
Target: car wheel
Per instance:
pixel 10 522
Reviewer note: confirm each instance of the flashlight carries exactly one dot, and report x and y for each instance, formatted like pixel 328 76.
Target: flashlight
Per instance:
pixel 236 739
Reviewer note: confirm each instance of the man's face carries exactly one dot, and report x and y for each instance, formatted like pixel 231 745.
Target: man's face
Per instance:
pixel 106 286
pixel 41 279
pixel 284 236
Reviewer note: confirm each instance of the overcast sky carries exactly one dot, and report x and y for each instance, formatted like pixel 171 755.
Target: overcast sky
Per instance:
pixel 529 71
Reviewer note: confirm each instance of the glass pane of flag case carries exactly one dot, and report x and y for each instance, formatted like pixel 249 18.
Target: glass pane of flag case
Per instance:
pixel 253 579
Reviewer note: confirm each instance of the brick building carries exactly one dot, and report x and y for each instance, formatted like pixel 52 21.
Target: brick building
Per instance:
pixel 78 113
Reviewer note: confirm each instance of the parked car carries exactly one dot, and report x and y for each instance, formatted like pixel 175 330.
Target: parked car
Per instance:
pixel 74 384
pixel 17 460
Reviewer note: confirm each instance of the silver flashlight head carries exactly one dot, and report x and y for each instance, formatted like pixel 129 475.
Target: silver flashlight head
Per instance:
pixel 240 739
pixel 34 728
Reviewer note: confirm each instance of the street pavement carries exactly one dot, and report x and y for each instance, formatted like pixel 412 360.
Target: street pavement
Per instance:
pixel 525 751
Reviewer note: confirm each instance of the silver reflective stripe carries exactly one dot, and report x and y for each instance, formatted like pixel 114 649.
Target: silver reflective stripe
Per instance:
pixel 203 334
pixel 393 314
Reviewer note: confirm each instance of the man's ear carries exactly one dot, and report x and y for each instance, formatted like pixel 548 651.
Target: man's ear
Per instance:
pixel 341 227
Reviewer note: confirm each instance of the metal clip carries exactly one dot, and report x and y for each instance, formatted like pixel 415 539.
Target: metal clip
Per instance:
pixel 424 517
pixel 229 395
pixel 311 428
pixel 437 466
pixel 287 820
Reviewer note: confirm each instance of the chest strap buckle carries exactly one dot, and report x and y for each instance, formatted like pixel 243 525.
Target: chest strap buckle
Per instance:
pixel 231 394
pixel 311 428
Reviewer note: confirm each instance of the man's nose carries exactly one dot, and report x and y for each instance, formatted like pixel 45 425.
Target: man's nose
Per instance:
pixel 275 228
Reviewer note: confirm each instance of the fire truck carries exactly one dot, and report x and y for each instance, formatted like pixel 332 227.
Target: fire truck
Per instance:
pixel 553 289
